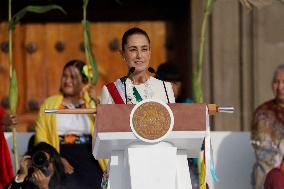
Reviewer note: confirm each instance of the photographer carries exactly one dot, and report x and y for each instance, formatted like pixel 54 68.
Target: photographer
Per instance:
pixel 40 168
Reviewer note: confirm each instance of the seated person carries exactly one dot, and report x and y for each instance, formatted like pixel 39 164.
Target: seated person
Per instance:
pixel 267 131
pixel 275 177
pixel 40 168
pixel 170 72
pixel 70 134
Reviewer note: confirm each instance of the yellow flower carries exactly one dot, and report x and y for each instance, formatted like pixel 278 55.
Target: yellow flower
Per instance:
pixel 87 70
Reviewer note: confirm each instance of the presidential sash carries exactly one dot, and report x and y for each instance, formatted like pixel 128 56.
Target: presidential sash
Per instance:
pixel 117 92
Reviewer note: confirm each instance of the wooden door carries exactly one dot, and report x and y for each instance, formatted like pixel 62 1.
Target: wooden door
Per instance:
pixel 39 60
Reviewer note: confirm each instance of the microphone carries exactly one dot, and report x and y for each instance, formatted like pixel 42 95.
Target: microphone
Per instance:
pixel 130 71
pixel 152 70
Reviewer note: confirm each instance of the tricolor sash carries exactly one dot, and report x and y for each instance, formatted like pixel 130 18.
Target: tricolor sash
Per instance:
pixel 114 93
pixel 117 91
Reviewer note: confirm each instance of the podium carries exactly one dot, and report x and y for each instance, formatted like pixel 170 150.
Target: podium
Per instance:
pixel 141 157
pixel 135 164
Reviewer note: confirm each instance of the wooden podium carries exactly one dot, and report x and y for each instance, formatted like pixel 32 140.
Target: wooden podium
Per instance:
pixel 135 164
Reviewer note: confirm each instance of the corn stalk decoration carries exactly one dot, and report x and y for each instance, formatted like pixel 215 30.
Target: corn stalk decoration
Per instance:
pixel 91 62
pixel 196 83
pixel 197 71
pixel 13 88
pixel 90 58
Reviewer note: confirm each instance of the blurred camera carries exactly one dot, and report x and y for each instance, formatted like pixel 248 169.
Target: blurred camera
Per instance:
pixel 40 161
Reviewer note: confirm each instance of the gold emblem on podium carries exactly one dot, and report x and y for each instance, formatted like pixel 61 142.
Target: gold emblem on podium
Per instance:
pixel 151 120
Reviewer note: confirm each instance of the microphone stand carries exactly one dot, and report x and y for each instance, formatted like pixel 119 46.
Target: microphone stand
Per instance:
pixel 131 70
pixel 125 95
pixel 166 91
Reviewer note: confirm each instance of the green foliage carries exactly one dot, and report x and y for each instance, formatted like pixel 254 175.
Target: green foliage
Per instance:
pixel 13 89
pixel 13 92
pixel 90 58
pixel 197 71
pixel 34 9
pixel 209 6
pixel 85 5
pixel 13 101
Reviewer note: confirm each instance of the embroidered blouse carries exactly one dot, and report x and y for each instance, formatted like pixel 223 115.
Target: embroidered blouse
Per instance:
pixel 151 89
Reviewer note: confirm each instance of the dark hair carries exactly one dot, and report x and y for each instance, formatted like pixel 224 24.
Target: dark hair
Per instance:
pixel 169 71
pixel 5 102
pixel 131 32
pixel 79 65
pixel 59 173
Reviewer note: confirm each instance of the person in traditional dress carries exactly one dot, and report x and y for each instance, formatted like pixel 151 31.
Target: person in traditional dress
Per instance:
pixel 136 52
pixel 171 72
pixel 70 134
pixel 267 132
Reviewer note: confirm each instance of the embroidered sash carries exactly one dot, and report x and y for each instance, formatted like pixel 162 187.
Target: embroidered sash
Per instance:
pixel 137 95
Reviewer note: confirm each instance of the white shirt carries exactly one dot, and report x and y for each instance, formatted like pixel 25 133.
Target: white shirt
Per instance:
pixel 151 89
pixel 77 124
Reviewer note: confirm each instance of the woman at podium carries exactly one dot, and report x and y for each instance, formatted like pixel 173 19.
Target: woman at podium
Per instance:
pixel 137 85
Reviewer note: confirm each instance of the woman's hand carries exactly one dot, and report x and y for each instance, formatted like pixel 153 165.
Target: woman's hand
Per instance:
pixel 40 179
pixel 24 166
pixel 9 119
pixel 92 91
pixel 68 168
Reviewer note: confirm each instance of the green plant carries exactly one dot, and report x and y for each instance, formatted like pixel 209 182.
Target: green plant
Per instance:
pixel 13 89
pixel 90 58
pixel 197 71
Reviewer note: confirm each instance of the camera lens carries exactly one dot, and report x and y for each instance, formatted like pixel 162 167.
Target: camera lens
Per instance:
pixel 40 161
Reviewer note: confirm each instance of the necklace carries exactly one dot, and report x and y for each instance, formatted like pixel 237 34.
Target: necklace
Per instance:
pixel 133 94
